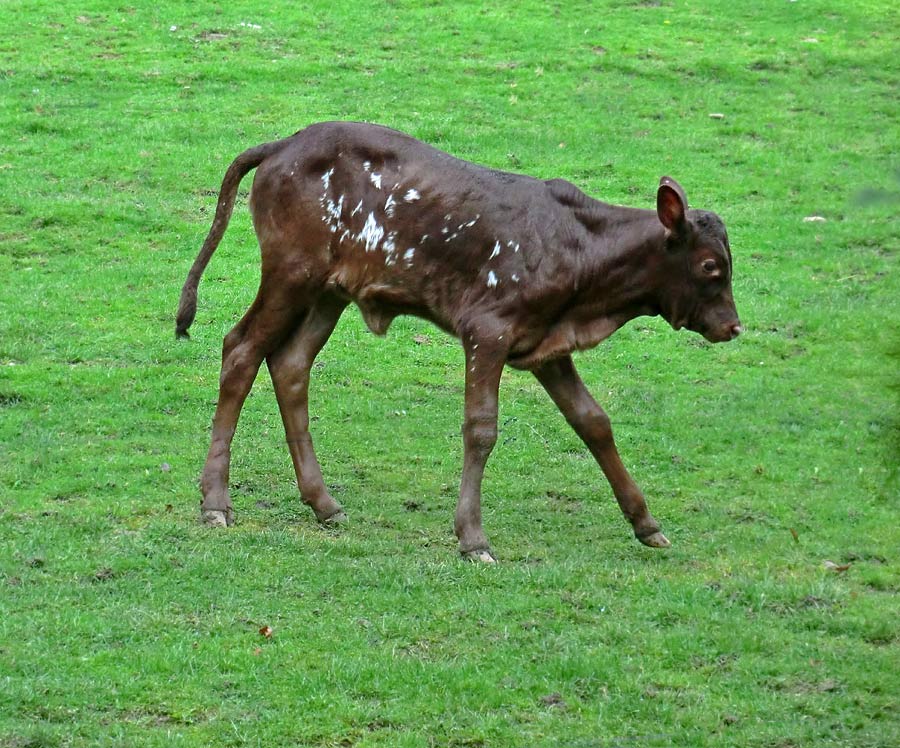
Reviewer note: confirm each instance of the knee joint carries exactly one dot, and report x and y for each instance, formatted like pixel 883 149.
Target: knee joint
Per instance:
pixel 597 427
pixel 480 435
pixel 230 342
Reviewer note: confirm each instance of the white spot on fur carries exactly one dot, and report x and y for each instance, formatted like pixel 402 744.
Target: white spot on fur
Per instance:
pixel 367 165
pixel 423 239
pixel 332 209
pixel 408 256
pixel 389 247
pixel 515 277
pixel 376 180
pixel 357 209
pixel 513 246
pixel 411 196
pixel 371 233
pixel 389 206
pixel 451 237
pixel 496 251
pixel 492 280
pixel 333 212
pixel 471 223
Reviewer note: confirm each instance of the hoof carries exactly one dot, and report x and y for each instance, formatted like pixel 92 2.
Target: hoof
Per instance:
pixel 213 518
pixel 656 540
pixel 338 518
pixel 482 556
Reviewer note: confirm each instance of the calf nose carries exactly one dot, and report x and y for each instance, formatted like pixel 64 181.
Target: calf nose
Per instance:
pixel 736 330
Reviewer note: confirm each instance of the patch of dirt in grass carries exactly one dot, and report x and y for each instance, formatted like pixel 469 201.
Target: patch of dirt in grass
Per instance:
pixel 161 716
pixel 37 740
pixel 103 575
pixel 10 399
pixel 882 636
pixel 749 515
pixel 211 36
pixel 800 686
pixel 563 503
pixel 554 700
pixel 806 603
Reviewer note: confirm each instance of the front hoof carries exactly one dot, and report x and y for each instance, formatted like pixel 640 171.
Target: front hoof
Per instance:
pixel 482 556
pixel 338 518
pixel 656 540
pixel 214 518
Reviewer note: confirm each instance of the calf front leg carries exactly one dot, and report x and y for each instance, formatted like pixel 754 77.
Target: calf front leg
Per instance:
pixel 484 364
pixel 566 389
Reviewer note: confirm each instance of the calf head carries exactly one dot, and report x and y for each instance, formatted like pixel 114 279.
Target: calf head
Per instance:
pixel 695 290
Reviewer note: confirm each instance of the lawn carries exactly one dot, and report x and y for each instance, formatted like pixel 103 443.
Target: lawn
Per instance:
pixel 771 462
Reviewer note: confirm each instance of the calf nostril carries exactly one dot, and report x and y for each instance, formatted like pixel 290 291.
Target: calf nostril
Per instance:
pixel 736 330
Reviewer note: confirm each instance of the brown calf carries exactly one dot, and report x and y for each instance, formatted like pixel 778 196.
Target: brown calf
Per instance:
pixel 522 271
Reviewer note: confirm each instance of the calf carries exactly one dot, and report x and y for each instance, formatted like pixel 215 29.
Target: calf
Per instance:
pixel 522 271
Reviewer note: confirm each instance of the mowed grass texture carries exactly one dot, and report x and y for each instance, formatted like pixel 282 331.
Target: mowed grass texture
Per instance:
pixel 771 462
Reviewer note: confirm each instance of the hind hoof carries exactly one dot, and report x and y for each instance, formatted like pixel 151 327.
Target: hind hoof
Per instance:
pixel 656 540
pixel 213 518
pixel 481 556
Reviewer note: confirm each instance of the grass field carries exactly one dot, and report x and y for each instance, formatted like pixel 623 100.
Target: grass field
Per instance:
pixel 771 462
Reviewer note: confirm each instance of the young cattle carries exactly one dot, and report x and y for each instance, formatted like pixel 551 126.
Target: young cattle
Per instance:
pixel 522 271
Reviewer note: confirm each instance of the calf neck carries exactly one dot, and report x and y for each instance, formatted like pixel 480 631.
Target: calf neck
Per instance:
pixel 523 271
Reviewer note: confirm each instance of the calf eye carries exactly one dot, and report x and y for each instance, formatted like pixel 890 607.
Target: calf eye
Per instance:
pixel 709 266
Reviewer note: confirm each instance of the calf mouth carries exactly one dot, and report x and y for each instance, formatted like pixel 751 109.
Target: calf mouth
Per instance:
pixel 723 334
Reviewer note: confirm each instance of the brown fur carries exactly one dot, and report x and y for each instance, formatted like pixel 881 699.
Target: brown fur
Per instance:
pixel 522 271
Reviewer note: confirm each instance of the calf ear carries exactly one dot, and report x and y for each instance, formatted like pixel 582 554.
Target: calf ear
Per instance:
pixel 671 205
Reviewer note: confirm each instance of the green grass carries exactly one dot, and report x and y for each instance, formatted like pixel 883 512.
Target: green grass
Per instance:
pixel 123 622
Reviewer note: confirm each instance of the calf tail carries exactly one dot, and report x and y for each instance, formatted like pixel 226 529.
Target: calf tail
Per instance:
pixel 248 160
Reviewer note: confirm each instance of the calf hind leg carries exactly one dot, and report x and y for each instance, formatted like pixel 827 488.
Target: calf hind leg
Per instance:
pixel 259 331
pixel 289 366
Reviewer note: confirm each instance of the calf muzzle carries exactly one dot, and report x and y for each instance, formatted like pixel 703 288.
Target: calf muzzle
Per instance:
pixel 723 333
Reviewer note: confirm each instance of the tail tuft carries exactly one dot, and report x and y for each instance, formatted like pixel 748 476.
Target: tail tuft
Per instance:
pixel 187 307
pixel 250 159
